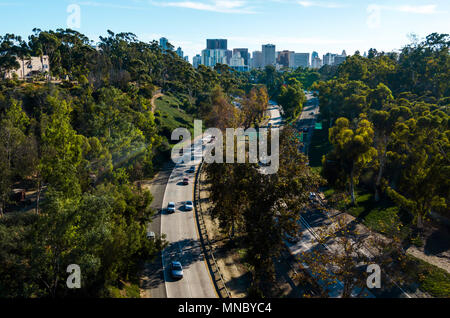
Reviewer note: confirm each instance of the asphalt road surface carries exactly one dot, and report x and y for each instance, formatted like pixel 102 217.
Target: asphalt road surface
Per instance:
pixel 182 234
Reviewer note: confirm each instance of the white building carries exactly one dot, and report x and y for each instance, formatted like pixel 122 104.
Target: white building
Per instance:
pixel 30 67
pixel 328 59
pixel 212 57
pixel 237 60
pixel 316 62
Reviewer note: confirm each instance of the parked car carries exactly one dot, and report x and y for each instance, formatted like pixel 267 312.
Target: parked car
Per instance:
pixel 171 207
pixel 176 270
pixel 188 205
pixel 185 181
pixel 191 169
pixel 151 235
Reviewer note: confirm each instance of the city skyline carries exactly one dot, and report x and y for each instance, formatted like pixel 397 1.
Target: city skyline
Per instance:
pixel 300 26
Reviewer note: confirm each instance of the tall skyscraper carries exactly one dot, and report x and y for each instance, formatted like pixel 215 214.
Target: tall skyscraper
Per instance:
pixel 268 53
pixel 286 59
pixel 244 54
pixel 216 44
pixel 216 52
pixel 197 60
pixel 314 55
pixel 257 60
pixel 339 59
pixel 301 60
pixel 328 59
pixel 180 52
pixel 212 57
pixel 163 43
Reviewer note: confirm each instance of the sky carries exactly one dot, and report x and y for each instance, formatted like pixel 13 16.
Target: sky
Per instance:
pixel 296 25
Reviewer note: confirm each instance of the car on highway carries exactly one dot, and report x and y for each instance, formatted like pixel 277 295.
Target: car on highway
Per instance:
pixel 191 169
pixel 151 236
pixel 171 207
pixel 188 206
pixel 185 181
pixel 176 270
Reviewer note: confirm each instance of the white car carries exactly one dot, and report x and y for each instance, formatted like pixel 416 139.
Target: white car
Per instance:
pixel 171 207
pixel 188 205
pixel 312 196
pixel 151 236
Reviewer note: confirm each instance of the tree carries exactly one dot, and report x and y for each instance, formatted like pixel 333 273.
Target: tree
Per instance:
pixel 353 149
pixel 291 98
pixel 254 106
pixel 422 148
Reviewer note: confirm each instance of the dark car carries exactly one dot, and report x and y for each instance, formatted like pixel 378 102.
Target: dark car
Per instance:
pixel 185 181
pixel 176 270
pixel 191 169
pixel 306 129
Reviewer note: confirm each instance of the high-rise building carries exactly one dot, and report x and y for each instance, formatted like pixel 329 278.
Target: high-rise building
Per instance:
pixel 197 60
pixel 180 52
pixel 238 63
pixel 339 59
pixel 257 60
pixel 328 59
pixel 286 59
pixel 186 58
pixel 216 52
pixel 244 54
pixel 229 55
pixel 301 60
pixel 213 57
pixel 314 55
pixel 316 62
pixel 268 53
pixel 163 43
pixel 216 44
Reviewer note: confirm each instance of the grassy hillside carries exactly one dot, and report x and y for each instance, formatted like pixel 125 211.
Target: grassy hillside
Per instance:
pixel 170 115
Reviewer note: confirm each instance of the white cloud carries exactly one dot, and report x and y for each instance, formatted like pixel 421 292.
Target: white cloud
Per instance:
pixel 328 5
pixel 221 6
pixel 106 5
pixel 420 9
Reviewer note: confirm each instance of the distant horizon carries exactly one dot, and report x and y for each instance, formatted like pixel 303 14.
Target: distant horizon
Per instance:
pixel 300 26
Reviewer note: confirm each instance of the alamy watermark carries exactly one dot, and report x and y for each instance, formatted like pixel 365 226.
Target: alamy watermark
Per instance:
pixel 374 279
pixel 74 279
pixel 74 17
pixel 257 140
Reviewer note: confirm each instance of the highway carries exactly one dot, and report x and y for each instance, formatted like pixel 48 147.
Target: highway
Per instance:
pixel 182 234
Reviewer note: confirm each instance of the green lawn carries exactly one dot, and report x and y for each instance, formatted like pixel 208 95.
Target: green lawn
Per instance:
pixel 382 217
pixel 432 279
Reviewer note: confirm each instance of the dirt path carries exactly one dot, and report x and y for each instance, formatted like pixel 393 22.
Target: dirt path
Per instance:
pixel 154 98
